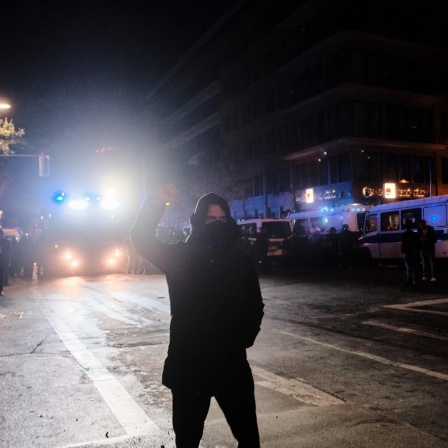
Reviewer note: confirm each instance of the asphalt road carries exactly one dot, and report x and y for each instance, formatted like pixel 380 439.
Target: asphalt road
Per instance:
pixel 345 358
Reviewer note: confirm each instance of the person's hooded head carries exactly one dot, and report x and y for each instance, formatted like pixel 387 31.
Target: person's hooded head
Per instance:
pixel 212 223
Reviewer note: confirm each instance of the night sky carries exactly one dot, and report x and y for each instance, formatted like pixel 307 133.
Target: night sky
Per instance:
pixel 75 71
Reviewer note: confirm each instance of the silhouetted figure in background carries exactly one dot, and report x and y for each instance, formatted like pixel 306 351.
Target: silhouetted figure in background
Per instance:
pixel 428 239
pixel 5 254
pixel 331 248
pixel 410 248
pixel 216 312
pixel 347 242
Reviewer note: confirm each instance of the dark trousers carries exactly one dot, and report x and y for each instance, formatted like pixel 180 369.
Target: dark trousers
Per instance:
pixel 428 262
pixel 411 263
pixel 190 409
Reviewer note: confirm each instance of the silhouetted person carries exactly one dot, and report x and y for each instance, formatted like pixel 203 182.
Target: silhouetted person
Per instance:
pixel 346 246
pixel 410 248
pixel 5 254
pixel 331 248
pixel 216 313
pixel 428 239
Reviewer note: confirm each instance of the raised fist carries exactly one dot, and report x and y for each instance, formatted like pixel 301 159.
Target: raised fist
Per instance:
pixel 167 194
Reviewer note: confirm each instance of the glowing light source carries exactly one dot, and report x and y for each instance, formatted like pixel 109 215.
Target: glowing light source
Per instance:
pixel 309 195
pixel 78 204
pixel 390 191
pixel 109 200
pixel 59 197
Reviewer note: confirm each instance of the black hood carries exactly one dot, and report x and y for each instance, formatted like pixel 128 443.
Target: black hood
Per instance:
pixel 197 219
pixel 231 232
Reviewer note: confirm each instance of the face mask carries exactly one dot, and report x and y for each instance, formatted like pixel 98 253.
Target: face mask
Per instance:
pixel 217 233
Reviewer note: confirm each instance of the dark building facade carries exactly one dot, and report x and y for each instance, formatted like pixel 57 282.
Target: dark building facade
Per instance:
pixel 311 104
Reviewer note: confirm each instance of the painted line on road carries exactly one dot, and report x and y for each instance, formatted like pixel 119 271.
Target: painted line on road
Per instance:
pixel 379 359
pixel 406 330
pixel 414 306
pixel 294 388
pixel 129 414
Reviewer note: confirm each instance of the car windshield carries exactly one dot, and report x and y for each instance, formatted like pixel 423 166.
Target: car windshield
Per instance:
pixel 280 229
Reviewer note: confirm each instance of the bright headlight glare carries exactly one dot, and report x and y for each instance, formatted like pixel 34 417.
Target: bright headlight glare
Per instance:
pixel 78 204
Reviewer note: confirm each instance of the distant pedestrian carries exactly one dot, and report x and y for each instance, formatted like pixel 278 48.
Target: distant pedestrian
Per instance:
pixel 5 254
pixel 428 239
pixel 330 248
pixel 347 242
pixel 410 248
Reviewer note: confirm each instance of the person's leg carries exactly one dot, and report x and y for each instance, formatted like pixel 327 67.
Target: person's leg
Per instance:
pixel 424 257
pixel 432 264
pixel 409 267
pixel 190 408
pixel 238 405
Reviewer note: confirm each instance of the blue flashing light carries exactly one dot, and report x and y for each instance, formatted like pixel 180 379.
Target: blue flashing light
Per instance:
pixel 59 197
pixel 434 218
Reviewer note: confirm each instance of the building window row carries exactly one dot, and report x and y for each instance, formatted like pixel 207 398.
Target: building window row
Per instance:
pixel 277 181
pixel 368 68
pixel 367 120
pixel 206 142
pixel 366 167
pixel 277 141
pixel 252 149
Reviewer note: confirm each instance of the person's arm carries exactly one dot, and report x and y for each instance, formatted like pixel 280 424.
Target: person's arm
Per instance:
pixel 433 236
pixel 143 232
pixel 254 307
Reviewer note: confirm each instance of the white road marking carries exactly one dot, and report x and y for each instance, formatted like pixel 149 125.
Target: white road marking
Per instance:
pixel 374 323
pixel 295 388
pixel 379 359
pixel 415 306
pixel 129 414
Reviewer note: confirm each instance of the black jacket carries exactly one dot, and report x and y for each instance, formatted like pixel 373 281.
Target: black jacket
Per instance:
pixel 410 243
pixel 428 242
pixel 216 306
